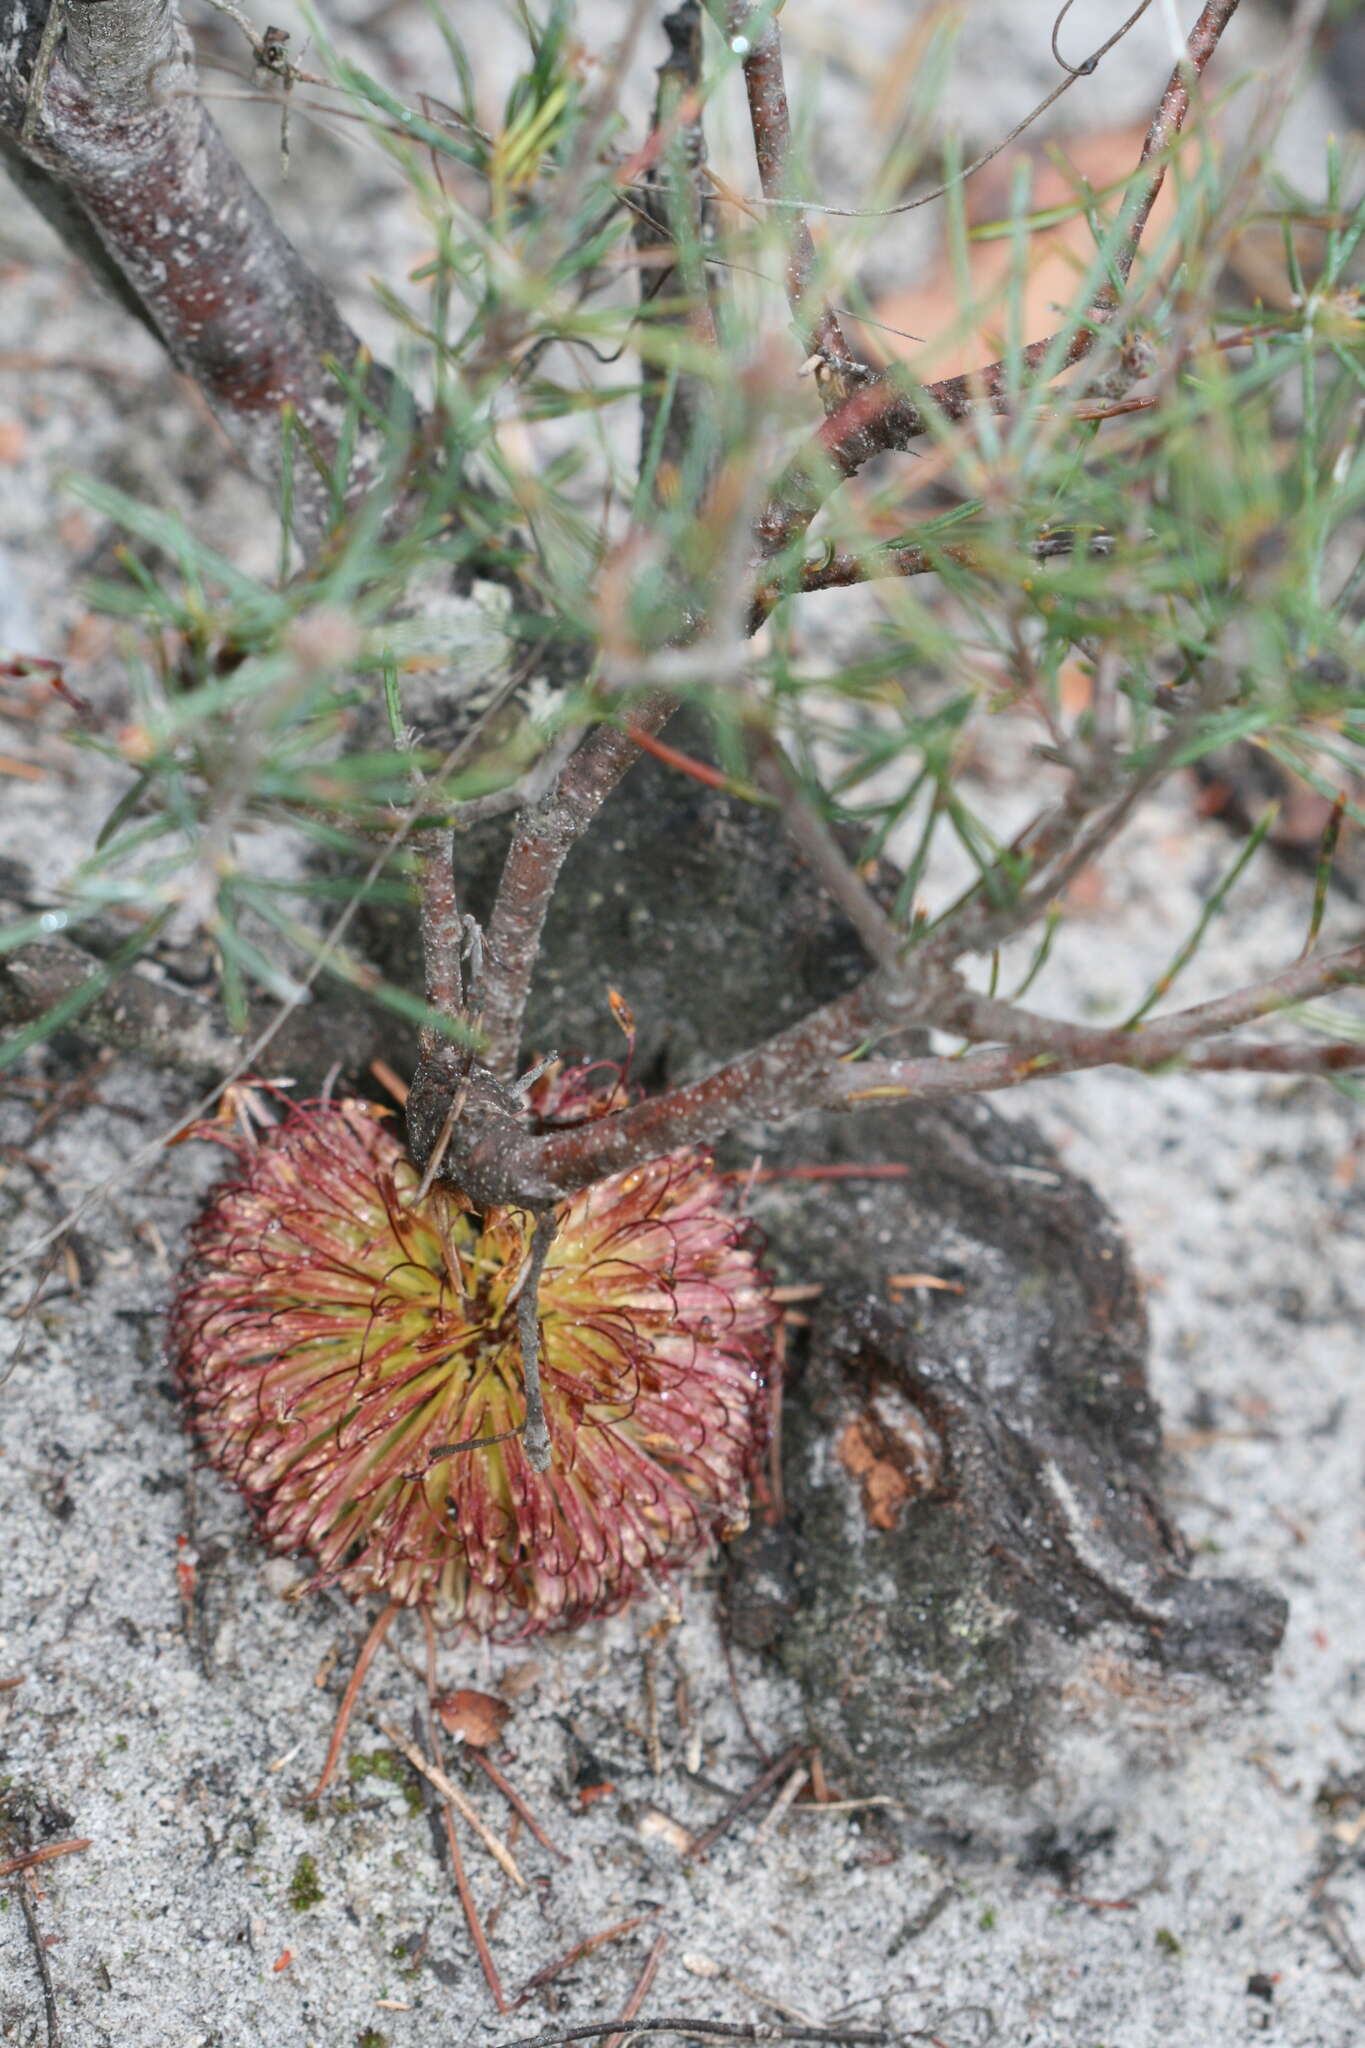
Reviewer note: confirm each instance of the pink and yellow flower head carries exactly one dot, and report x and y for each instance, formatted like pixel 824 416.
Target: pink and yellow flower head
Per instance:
pixel 332 1331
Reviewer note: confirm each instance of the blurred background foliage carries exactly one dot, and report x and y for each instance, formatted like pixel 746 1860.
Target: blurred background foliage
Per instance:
pixel 1155 558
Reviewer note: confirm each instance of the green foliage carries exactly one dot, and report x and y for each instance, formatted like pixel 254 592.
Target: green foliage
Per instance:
pixel 1202 559
pixel 305 1887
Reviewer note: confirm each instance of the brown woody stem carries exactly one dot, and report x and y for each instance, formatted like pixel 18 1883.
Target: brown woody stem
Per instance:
pixel 770 119
pixel 442 941
pixel 881 416
pixel 544 836
pixel 123 140
pixel 805 1069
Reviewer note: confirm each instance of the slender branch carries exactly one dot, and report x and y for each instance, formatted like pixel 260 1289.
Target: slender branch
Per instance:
pixel 840 568
pixel 806 1067
pixel 35 1936
pixel 1242 1057
pixel 442 943
pixel 545 834
pixel 1041 1047
pixel 880 416
pixel 670 228
pixel 770 119
pixel 822 850
pixel 983 1017
pixel 717 2030
pixel 535 1435
pixel 119 131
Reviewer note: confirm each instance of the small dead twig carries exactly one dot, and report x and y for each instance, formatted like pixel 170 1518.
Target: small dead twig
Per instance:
pixel 711 2030
pixel 653 1743
pixel 451 1792
pixel 791 1791
pixel 817 845
pixel 35 1935
pixel 1328 1915
pixel 581 1949
pixel 764 1756
pixel 517 1803
pixel 642 1987
pixel 53 29
pixel 368 1650
pixel 701 1845
pixel 47 1854
pixel 470 1909
pixel 873 1799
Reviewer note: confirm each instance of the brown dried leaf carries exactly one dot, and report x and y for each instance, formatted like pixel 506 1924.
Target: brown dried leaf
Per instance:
pixel 473 1717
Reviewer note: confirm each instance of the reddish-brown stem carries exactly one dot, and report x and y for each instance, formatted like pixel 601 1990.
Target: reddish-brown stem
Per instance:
pixel 880 416
pixel 781 1078
pixel 47 1854
pixel 764 82
pixel 515 1800
pixel 471 1911
pixel 544 836
pixel 642 1987
pixel 368 1651
pixel 806 1068
pixel 587 1947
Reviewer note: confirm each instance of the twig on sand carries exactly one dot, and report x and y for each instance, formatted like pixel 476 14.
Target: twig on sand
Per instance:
pixel 462 1886
pixel 642 1989
pixel 35 1935
pixel 581 1949
pixel 450 1791
pixel 702 1844
pixel 710 2030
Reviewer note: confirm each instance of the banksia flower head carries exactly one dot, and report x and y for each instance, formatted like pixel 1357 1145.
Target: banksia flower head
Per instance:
pixel 332 1332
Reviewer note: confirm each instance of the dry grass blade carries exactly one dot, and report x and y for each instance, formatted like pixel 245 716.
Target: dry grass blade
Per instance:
pixel 450 1791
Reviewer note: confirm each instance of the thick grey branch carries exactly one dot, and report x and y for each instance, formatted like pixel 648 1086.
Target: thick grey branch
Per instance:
pixel 121 137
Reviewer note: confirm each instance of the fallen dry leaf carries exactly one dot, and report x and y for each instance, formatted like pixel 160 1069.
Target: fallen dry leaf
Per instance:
pixel 885 1490
pixel 1056 257
pixel 473 1717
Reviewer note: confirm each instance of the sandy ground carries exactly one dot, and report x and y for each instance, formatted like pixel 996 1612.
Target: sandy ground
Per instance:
pixel 211 1907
